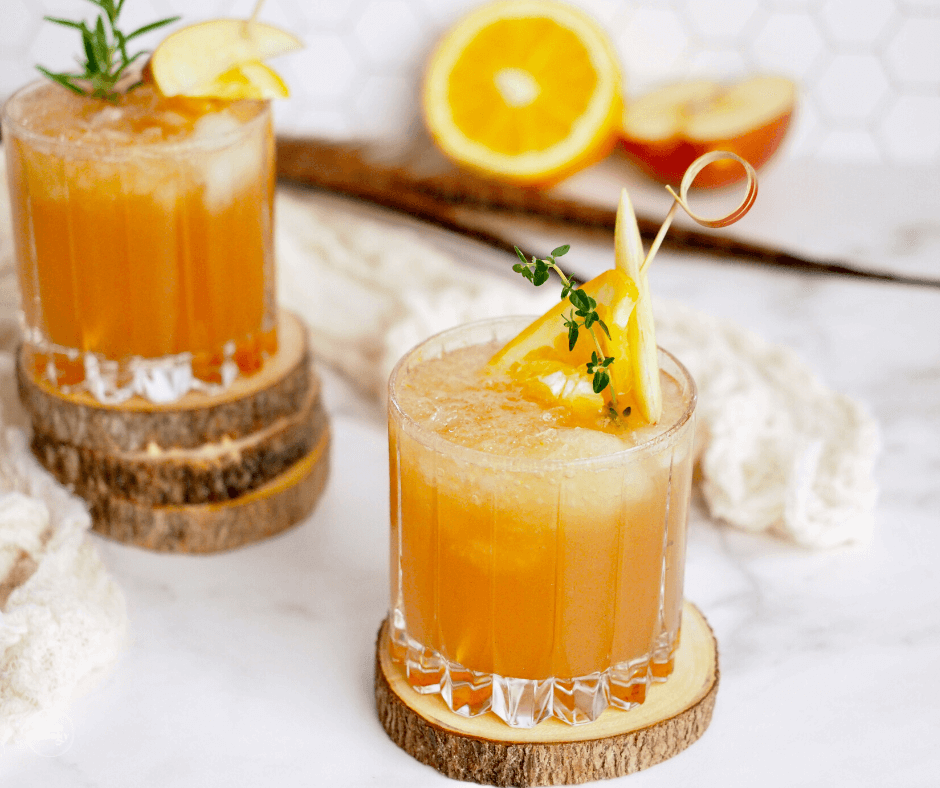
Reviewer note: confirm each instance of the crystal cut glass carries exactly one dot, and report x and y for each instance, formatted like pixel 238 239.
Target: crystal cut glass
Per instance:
pixel 527 584
pixel 143 235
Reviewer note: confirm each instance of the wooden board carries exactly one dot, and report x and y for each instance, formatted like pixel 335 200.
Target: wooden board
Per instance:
pixel 206 528
pixel 418 180
pixel 250 404
pixel 486 750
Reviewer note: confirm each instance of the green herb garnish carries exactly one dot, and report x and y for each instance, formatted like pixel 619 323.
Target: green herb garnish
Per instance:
pixel 106 57
pixel 583 314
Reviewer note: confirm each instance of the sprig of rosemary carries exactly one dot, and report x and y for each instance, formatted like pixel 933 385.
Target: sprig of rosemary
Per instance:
pixel 582 315
pixel 106 57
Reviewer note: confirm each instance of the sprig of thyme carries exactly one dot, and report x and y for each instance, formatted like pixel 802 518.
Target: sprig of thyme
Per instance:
pixel 106 57
pixel 583 314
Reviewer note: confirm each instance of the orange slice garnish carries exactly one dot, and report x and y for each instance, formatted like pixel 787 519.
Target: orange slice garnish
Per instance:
pixel 249 80
pixel 540 362
pixel 539 359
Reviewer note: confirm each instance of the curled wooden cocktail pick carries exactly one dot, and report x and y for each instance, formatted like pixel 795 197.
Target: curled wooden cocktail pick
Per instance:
pixel 681 199
pixel 628 254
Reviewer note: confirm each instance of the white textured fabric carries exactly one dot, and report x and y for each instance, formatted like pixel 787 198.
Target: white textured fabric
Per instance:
pixel 63 626
pixel 63 621
pixel 402 288
pixel 778 451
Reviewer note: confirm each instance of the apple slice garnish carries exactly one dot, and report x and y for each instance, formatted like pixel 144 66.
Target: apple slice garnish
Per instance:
pixel 192 60
pixel 666 130
pixel 641 333
pixel 630 259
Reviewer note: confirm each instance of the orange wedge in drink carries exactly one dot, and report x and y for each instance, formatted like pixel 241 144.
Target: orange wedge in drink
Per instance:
pixel 221 58
pixel 249 80
pixel 540 362
pixel 526 91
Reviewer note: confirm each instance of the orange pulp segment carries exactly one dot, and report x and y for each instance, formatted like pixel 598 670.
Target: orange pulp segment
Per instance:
pixel 249 80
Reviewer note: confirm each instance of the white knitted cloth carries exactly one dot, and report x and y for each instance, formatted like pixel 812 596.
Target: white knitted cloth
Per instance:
pixel 778 450
pixel 62 619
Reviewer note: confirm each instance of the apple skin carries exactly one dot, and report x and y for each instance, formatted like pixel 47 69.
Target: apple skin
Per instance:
pixel 667 160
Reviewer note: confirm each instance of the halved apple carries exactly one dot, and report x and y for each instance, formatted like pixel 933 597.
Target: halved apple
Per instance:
pixel 666 130
pixel 191 60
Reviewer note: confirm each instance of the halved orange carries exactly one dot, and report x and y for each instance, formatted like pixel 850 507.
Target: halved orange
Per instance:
pixel 527 91
pixel 540 362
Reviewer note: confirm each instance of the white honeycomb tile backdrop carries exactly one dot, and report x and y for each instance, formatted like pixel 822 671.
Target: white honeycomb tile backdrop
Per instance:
pixel 869 70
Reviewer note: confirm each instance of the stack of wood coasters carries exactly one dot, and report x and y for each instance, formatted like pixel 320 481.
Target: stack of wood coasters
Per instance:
pixel 202 474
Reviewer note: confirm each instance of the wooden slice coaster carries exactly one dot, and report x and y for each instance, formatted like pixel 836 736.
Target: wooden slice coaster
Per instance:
pixel 250 404
pixel 211 473
pixel 486 750
pixel 202 474
pixel 206 528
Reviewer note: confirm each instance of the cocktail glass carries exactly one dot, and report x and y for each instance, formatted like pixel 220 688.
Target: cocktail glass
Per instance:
pixel 527 581
pixel 143 232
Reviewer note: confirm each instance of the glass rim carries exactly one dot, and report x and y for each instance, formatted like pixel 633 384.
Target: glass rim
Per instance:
pixel 137 149
pixel 434 440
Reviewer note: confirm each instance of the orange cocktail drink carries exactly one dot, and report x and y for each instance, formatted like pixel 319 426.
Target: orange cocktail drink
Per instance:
pixel 143 233
pixel 536 561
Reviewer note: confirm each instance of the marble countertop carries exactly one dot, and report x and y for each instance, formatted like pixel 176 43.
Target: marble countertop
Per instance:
pixel 254 668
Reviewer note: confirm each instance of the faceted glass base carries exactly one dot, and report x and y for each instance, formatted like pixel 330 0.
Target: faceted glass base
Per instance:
pixel 520 703
pixel 664 655
pixel 158 380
